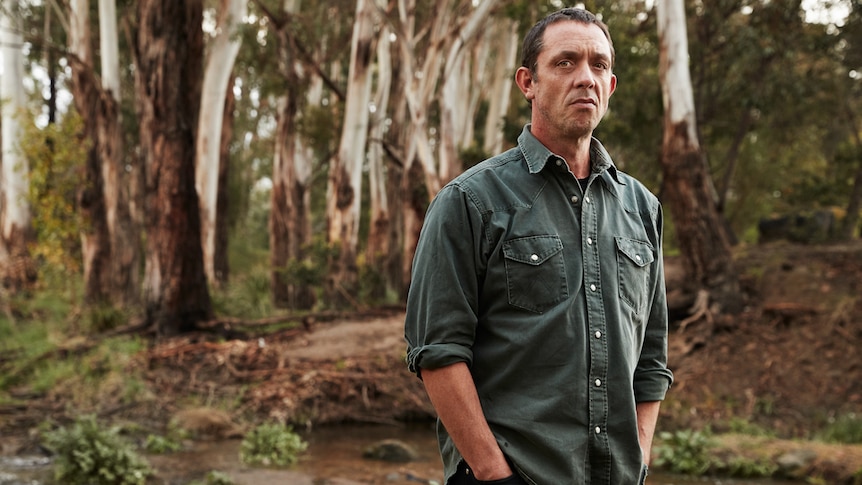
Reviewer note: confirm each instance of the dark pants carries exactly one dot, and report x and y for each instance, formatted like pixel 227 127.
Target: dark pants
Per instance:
pixel 464 476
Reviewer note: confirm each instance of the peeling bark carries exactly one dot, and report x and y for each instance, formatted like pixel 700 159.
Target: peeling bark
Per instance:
pixel 169 49
pixel 687 187
pixel 345 172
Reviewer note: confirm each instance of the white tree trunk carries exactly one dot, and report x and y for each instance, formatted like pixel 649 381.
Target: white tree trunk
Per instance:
pixel 14 177
pixel 503 33
pixel 420 84
pixel 677 92
pixel 109 43
pixel 221 58
pixel 454 96
pixel 344 189
pixel 378 237
pixel 109 48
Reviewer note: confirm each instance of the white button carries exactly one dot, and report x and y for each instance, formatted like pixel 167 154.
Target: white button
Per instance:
pixel 574 199
pixel 534 257
pixel 637 257
pixel 598 430
pixel 598 334
pixel 587 200
pixel 559 162
pixel 593 287
pixel 598 382
pixel 590 241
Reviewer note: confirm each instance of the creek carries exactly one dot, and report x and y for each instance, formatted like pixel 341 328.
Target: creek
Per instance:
pixel 334 457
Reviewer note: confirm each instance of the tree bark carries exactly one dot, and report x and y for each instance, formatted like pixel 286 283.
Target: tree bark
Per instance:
pixel 687 188
pixel 118 173
pixel 220 61
pixel 110 244
pixel 95 241
pixel 378 247
pixel 344 187
pixel 17 271
pixel 221 263
pixel 290 209
pixel 169 49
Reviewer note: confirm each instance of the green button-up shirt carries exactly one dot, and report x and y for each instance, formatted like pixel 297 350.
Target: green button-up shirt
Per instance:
pixel 555 298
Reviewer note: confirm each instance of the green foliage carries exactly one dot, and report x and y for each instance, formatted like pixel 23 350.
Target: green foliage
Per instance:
pixel 103 317
pixel 89 454
pixel 747 468
pixel 272 445
pixel 56 156
pixel 214 478
pixel 845 429
pixel 746 427
pixel 247 295
pixel 161 444
pixel 685 451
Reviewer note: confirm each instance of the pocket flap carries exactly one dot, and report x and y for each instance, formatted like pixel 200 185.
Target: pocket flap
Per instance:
pixel 533 250
pixel 641 253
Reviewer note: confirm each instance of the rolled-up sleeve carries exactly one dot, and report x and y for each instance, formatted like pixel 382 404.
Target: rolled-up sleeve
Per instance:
pixel 442 302
pixel 652 377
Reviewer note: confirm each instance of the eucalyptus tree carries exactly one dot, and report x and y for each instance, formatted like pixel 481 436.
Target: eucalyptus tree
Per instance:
pixel 688 189
pixel 221 55
pixel 15 230
pixel 435 45
pixel 169 49
pixel 344 201
pixel 294 67
pixel 110 243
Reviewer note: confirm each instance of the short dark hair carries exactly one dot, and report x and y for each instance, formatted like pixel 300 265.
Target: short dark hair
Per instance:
pixel 534 41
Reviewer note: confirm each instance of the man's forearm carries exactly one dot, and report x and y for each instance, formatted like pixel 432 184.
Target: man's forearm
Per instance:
pixel 647 413
pixel 453 394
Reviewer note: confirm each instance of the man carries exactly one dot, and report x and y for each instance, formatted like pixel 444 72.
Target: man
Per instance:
pixel 536 316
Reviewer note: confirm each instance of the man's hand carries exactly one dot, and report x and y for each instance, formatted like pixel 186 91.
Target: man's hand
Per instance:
pixel 454 397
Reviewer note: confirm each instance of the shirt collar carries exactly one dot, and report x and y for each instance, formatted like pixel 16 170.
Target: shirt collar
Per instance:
pixel 537 156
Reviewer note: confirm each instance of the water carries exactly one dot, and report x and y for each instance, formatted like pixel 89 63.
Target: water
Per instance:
pixel 334 457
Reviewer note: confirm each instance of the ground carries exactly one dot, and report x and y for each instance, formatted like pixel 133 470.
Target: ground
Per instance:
pixel 788 364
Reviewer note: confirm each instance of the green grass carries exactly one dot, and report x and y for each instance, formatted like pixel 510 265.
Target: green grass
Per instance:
pixel 846 429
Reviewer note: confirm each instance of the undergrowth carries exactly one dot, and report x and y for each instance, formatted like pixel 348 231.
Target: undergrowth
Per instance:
pixel 87 453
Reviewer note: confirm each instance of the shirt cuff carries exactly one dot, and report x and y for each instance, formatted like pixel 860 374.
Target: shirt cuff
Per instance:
pixel 435 356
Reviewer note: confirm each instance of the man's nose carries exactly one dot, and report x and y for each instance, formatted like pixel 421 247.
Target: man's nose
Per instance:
pixel 584 77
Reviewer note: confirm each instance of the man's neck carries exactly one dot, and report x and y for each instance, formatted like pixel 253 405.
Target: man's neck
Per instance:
pixel 577 156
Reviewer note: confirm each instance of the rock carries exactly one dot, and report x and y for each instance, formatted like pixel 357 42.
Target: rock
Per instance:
pixel 794 463
pixel 393 451
pixel 206 423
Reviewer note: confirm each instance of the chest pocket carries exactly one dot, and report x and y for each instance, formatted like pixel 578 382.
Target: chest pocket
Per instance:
pixel 633 260
pixel 535 272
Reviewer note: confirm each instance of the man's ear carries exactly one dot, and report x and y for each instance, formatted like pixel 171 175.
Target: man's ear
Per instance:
pixel 524 80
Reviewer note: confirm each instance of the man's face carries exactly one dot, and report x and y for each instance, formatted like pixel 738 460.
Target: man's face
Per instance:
pixel 573 81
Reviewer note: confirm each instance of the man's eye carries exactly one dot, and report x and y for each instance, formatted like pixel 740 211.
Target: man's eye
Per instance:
pixel 564 63
pixel 601 66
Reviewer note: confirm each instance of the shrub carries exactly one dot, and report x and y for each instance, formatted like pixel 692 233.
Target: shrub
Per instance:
pixel 272 444
pixel 215 478
pixel 87 454
pixel 160 445
pixel 685 451
pixel 845 429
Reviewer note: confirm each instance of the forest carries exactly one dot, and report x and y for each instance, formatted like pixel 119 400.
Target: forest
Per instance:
pixel 213 204
pixel 158 155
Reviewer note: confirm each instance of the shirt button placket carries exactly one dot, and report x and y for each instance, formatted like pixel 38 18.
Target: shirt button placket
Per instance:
pixel 598 346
